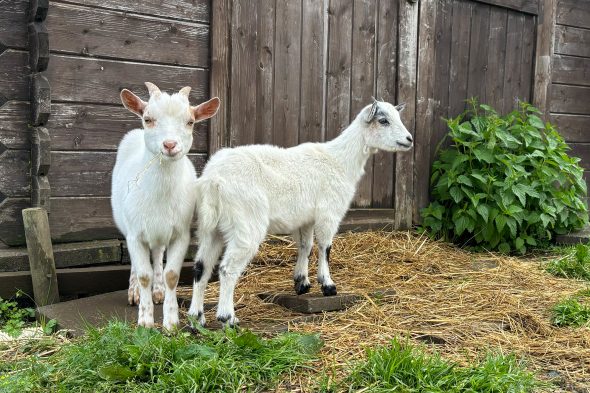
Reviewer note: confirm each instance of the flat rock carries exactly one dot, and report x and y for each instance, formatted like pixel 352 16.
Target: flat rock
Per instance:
pixel 581 236
pixel 311 303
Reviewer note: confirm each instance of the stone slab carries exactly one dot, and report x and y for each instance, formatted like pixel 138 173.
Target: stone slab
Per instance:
pixel 311 303
pixel 581 236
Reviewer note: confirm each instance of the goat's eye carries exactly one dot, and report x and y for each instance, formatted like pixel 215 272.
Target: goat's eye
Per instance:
pixel 384 121
pixel 190 123
pixel 148 120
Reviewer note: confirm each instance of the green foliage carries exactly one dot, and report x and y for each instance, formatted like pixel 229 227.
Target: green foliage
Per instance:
pixel 574 264
pixel 404 368
pixel 119 358
pixel 573 311
pixel 12 317
pixel 506 183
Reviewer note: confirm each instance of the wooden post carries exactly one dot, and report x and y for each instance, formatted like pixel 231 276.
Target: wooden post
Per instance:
pixel 544 53
pixel 41 259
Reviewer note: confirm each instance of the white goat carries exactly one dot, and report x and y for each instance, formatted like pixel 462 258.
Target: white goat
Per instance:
pixel 153 196
pixel 249 191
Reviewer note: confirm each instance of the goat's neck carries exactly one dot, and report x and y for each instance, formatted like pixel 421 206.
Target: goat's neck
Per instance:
pixel 158 173
pixel 351 151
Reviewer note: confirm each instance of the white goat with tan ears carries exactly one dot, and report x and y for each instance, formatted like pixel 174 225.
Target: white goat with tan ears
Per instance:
pixel 249 191
pixel 153 194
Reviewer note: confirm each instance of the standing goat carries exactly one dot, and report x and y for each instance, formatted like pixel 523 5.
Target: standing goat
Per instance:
pixel 249 191
pixel 153 196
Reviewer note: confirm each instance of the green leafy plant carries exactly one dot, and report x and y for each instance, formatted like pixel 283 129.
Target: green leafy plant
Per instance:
pixel 573 311
pixel 574 264
pixel 14 318
pixel 506 183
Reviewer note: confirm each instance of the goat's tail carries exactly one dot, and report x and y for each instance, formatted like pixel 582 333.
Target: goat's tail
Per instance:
pixel 209 205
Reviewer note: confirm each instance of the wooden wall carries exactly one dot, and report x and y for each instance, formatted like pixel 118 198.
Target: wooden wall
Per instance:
pixel 569 92
pixel 96 49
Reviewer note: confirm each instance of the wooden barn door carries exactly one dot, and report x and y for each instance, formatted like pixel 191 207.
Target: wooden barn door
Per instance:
pixel 296 71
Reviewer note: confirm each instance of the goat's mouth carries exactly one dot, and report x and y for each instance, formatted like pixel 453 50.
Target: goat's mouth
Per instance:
pixel 172 154
pixel 404 145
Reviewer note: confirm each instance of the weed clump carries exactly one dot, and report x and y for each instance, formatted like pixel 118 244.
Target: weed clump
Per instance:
pixel 573 311
pixel 574 264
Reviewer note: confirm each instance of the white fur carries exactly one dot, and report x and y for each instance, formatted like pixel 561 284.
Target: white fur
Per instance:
pixel 249 191
pixel 153 199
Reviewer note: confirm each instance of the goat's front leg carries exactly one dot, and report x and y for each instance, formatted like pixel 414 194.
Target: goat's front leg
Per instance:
pixel 304 239
pixel 174 258
pixel 158 266
pixel 133 291
pixel 140 260
pixel 325 231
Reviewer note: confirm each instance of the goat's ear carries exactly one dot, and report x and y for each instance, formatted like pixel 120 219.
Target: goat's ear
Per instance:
pixel 372 111
pixel 400 107
pixel 206 109
pixel 133 102
pixel 153 89
pixel 185 91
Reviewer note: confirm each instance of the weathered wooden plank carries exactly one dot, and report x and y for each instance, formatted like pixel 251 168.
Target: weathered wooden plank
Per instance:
pixel 287 74
pixel 574 128
pixel 14 75
pixel 362 81
pixel 573 13
pixel 571 70
pixel 40 151
pixel 572 41
pixel 40 99
pixel 478 53
pixel 40 192
pixel 512 82
pixel 312 71
pixel 243 73
pixel 106 33
pixel 527 70
pixel 38 46
pixel 265 71
pixel 461 31
pixel 385 89
pixel 338 68
pixel 15 173
pixel 14 120
pixel 89 80
pixel 582 151
pixel 189 10
pixel 543 55
pixel 41 262
pixel 407 67
pixel 89 173
pixel 528 6
pixel 11 220
pixel 38 10
pixel 220 72
pixel 310 303
pixel 570 99
pixel 425 102
pixel 496 58
pixel 13 24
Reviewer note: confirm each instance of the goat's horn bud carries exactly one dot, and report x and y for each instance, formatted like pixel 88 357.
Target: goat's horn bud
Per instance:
pixel 152 89
pixel 185 91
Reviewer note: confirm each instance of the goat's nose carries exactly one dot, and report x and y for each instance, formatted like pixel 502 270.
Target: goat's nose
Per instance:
pixel 169 145
pixel 410 139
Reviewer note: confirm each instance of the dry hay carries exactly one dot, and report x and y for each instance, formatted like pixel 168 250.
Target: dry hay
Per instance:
pixel 460 303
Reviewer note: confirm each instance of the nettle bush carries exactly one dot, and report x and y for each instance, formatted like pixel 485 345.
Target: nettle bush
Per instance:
pixel 505 183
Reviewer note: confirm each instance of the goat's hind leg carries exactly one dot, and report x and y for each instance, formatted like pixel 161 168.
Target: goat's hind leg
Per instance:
pixel 304 239
pixel 324 232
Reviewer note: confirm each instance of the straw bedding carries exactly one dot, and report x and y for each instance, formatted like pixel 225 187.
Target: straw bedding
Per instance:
pixel 457 302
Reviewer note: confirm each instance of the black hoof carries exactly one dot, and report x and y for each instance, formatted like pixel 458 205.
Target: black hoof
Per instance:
pixel 329 290
pixel 224 321
pixel 300 286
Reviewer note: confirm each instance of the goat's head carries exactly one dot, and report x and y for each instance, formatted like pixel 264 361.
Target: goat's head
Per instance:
pixel 168 120
pixel 383 128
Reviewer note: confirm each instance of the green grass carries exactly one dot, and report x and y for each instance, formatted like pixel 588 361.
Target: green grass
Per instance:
pixel 573 311
pixel 574 263
pixel 120 358
pixel 401 367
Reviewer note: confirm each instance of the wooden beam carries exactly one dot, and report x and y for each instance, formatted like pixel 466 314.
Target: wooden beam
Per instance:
pixel 42 264
pixel 527 6
pixel 543 56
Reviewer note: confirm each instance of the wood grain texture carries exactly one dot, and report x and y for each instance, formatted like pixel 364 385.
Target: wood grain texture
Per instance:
pixel 14 120
pixel 461 31
pixel 478 53
pixel 512 82
pixel 527 6
pixel 570 99
pixel 543 55
pixel 15 173
pixel 40 151
pixel 41 192
pixel 338 67
pixel 265 44
pixel 312 71
pixel 114 34
pixel 407 67
pixel 79 79
pixel 13 23
pixel 527 67
pixel 14 75
pixel 574 128
pixel 11 220
pixel 40 99
pixel 243 73
pixel 89 173
pixel 496 58
pixel 287 73
pixel 582 151
pixel 38 46
pixel 362 79
pixel 189 10
pixel 572 41
pixel 385 89
pixel 571 70
pixel 41 262
pixel 573 13
pixel 220 72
